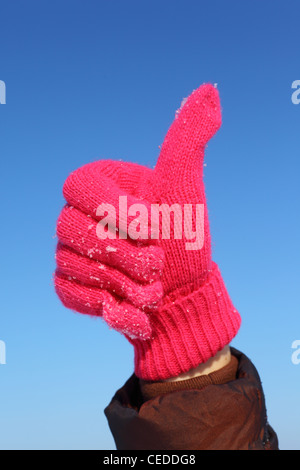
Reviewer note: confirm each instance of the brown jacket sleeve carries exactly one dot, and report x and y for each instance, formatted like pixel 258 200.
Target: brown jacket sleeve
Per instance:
pixel 224 416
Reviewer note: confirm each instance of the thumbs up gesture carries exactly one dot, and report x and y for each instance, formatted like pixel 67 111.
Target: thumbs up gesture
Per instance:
pixel 134 248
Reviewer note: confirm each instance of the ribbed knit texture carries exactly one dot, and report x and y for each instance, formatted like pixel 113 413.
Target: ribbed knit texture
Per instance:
pixel 170 302
pixel 150 390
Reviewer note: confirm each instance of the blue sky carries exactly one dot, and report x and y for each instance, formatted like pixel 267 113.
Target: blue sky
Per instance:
pixel 95 79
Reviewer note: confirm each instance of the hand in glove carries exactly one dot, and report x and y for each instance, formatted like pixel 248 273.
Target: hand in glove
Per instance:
pixel 153 281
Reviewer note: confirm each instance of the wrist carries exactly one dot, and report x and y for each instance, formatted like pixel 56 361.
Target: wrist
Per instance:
pixel 220 360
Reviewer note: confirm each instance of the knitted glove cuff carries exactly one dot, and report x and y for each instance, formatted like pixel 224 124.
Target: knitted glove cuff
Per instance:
pixel 188 331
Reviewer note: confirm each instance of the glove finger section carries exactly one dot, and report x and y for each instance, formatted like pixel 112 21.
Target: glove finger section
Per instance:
pixel 80 232
pixel 94 273
pixel 196 122
pixel 118 314
pixel 128 320
pixel 98 194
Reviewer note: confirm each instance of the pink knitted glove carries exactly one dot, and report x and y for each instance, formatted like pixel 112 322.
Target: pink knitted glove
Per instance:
pixel 154 282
